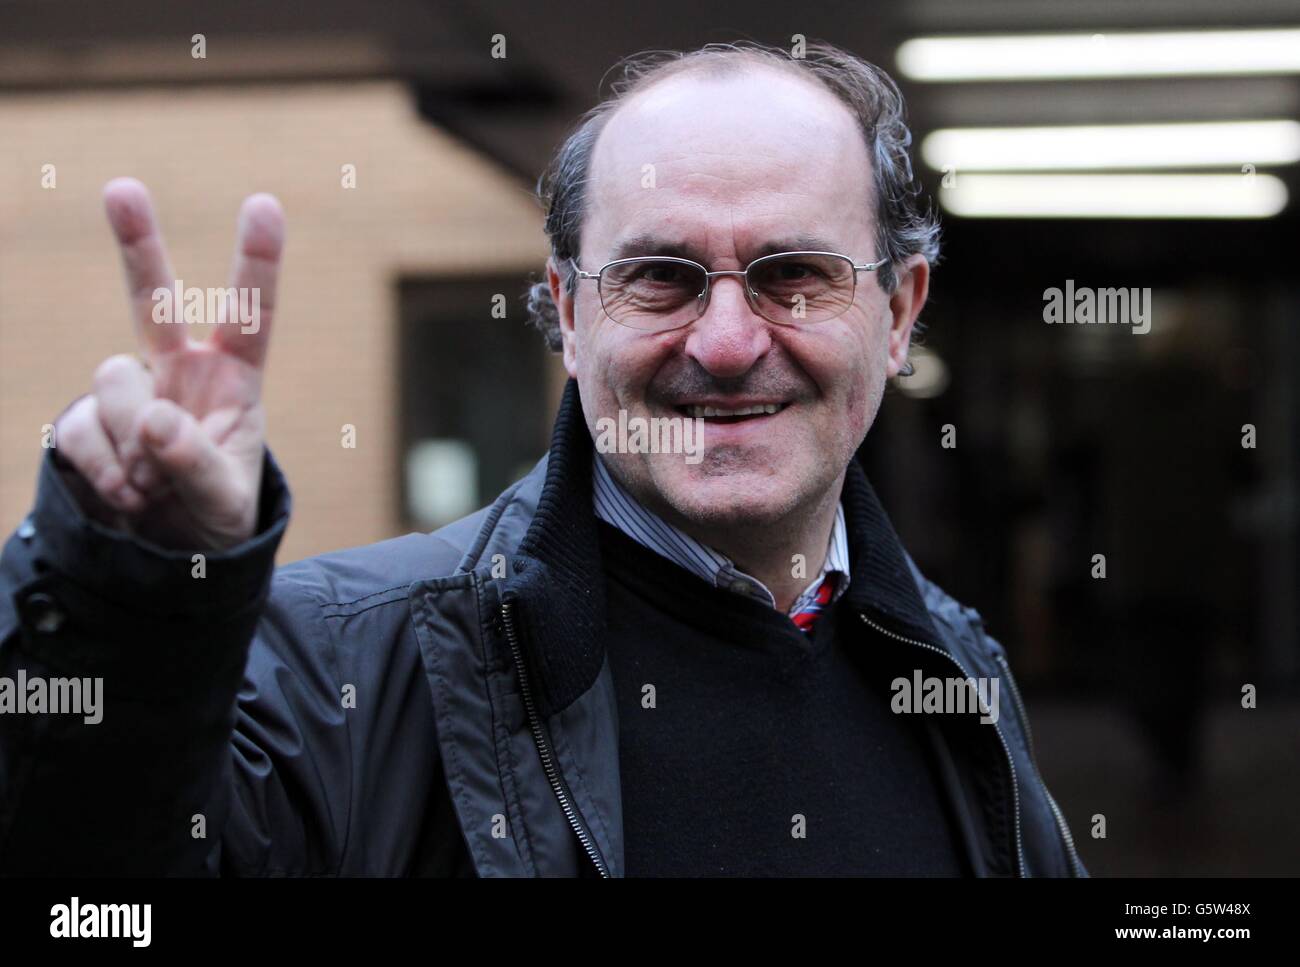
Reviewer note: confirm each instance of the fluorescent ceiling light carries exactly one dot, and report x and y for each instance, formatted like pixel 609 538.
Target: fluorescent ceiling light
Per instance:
pixel 1127 54
pixel 1232 143
pixel 1114 196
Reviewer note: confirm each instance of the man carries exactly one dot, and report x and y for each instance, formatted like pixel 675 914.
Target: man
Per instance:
pixel 635 662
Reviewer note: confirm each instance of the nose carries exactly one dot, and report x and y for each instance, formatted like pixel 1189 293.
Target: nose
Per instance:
pixel 729 338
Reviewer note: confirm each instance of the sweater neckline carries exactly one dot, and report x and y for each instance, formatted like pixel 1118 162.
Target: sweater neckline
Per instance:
pixel 684 596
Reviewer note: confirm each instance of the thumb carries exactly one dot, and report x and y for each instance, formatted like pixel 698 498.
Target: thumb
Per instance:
pixel 203 477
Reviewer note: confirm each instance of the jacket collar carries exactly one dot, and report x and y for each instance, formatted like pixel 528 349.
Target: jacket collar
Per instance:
pixel 558 588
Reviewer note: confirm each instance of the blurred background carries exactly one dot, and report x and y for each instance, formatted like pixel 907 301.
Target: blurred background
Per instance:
pixel 405 154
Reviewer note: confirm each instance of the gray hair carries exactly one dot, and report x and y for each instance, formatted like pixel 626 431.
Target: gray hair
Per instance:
pixel 905 225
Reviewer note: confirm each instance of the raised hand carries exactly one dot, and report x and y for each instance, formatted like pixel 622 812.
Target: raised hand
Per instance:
pixel 169 445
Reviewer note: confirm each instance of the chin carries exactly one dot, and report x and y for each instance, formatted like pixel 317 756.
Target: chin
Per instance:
pixel 735 496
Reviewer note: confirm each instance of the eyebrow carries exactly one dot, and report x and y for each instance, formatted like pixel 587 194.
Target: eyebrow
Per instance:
pixel 647 244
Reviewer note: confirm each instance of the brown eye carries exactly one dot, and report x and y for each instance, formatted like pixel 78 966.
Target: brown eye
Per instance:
pixel 665 273
pixel 789 274
pixel 792 272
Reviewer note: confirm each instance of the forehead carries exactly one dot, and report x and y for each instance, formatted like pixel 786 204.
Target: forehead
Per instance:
pixel 723 163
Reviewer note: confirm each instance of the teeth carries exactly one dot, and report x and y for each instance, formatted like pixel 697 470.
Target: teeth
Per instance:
pixel 705 411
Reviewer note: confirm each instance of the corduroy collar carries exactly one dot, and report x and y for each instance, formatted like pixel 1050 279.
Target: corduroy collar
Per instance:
pixel 558 585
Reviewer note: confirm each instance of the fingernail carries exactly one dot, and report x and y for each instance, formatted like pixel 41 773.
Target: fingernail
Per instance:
pixel 143 476
pixel 111 480
pixel 161 425
pixel 128 498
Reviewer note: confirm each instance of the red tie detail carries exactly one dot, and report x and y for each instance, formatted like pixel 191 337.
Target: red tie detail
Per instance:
pixel 806 618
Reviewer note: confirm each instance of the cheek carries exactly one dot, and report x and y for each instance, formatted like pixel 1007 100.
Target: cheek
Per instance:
pixel 861 367
pixel 618 369
pixel 859 408
pixel 843 363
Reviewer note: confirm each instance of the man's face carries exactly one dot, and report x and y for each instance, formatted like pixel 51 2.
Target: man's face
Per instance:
pixel 740 164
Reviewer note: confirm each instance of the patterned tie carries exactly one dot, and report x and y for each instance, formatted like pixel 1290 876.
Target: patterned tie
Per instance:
pixel 806 618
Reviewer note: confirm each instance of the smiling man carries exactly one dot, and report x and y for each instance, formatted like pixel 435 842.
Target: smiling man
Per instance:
pixel 750 159
pixel 636 661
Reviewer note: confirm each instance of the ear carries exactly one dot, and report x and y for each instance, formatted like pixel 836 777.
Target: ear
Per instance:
pixel 564 309
pixel 905 307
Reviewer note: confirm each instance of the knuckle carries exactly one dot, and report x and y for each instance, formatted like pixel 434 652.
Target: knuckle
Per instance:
pixel 114 370
pixel 75 427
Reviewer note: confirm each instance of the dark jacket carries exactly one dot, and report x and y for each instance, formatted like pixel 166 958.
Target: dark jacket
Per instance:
pixel 435 704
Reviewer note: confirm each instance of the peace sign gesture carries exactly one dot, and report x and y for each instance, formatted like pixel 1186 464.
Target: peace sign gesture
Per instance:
pixel 169 444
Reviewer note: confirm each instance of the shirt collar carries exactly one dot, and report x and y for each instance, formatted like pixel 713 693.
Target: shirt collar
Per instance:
pixel 617 507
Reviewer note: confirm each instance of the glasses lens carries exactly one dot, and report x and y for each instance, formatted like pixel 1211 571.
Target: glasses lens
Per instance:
pixel 800 288
pixel 654 294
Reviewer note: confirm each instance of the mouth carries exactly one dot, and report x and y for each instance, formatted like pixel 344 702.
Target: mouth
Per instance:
pixel 736 413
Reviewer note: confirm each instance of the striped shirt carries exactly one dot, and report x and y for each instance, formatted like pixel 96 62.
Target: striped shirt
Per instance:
pixel 615 506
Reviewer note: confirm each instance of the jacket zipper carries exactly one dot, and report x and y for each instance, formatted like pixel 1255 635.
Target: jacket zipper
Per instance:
pixel 1015 790
pixel 1064 830
pixel 543 744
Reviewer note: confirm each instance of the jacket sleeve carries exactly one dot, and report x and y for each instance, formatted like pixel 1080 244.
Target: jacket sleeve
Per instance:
pixel 291 804
pixel 120 667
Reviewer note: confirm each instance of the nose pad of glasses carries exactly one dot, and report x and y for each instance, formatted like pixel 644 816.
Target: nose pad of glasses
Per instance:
pixel 703 297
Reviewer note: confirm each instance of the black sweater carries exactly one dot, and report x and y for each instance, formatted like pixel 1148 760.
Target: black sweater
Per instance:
pixel 756 732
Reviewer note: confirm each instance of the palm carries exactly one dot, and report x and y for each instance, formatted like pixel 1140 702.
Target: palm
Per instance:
pixel 222 392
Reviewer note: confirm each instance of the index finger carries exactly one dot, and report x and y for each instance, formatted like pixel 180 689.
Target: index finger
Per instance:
pixel 144 258
pixel 246 319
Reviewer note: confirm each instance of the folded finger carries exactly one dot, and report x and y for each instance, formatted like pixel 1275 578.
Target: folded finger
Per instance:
pixel 122 389
pixel 84 443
